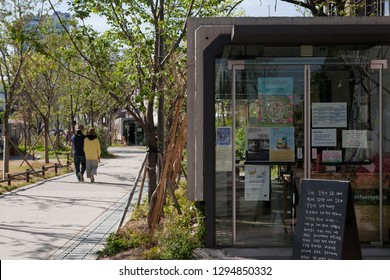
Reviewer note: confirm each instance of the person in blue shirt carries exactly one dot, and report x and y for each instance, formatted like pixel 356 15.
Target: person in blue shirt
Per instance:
pixel 77 148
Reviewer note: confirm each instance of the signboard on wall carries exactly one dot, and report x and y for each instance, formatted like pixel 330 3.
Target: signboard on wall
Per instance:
pixel 326 224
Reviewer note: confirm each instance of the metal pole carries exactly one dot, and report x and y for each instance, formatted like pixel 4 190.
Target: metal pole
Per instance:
pixel 381 157
pixel 307 117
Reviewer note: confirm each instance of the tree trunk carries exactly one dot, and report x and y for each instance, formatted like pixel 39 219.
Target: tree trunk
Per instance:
pixel 46 142
pixel 5 141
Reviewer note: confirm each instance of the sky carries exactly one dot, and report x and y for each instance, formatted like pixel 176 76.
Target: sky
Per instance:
pixel 270 8
pixel 253 8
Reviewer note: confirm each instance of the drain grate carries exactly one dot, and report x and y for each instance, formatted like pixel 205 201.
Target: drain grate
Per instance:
pixel 87 244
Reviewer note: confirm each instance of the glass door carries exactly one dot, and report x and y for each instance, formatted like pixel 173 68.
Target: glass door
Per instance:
pixel 268 131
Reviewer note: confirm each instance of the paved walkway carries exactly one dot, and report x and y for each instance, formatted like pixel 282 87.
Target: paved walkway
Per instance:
pixel 61 218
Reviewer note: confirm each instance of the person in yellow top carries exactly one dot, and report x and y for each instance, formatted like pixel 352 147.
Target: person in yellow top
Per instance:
pixel 92 153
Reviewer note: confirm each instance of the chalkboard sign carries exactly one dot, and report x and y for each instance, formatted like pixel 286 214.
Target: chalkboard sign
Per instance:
pixel 326 223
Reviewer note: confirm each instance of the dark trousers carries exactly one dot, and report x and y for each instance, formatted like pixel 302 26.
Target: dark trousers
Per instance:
pixel 79 161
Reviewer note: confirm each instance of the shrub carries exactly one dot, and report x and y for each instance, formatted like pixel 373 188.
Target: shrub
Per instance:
pixel 179 235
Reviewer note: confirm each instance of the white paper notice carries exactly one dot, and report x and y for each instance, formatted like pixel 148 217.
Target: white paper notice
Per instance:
pixel 323 137
pixel 257 182
pixel 355 139
pixel 329 114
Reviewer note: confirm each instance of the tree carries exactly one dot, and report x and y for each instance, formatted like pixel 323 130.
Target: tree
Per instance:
pixel 331 8
pixel 41 89
pixel 16 37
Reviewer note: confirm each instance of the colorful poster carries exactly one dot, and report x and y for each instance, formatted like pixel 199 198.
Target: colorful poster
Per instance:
pixel 275 101
pixel 257 183
pixel 282 147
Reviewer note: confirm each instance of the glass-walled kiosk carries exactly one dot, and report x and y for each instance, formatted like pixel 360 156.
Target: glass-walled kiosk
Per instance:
pixel 287 112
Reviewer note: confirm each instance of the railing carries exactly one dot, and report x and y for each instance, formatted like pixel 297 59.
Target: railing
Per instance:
pixel 29 172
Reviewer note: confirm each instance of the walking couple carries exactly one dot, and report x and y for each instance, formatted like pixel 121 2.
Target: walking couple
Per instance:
pixel 86 153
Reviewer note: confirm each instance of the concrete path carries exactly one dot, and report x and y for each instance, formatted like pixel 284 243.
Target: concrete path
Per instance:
pixel 61 218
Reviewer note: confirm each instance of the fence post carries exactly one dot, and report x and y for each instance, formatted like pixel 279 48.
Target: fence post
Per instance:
pixel 43 171
pixel 55 168
pixel 9 179
pixel 28 175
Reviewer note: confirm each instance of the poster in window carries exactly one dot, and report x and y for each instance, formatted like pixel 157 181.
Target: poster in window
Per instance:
pixel 257 183
pixel 275 101
pixel 282 147
pixel 257 143
pixel 223 149
pixel 332 156
pixel 223 137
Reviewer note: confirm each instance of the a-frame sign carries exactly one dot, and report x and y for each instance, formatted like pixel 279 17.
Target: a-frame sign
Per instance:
pixel 326 223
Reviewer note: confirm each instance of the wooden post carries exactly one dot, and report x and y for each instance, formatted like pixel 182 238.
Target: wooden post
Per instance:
pixel 43 171
pixel 17 150
pixel 28 175
pixel 142 184
pixel 56 168
pixel 54 150
pixel 9 179
pixel 157 200
pixel 132 193
pixel 31 149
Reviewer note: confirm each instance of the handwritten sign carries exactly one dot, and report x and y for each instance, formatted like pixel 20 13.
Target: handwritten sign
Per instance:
pixel 326 224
